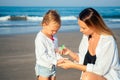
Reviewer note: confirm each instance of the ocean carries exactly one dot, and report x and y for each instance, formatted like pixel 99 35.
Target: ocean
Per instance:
pixel 20 20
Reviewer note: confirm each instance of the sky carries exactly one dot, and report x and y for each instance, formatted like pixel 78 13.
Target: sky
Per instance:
pixel 60 3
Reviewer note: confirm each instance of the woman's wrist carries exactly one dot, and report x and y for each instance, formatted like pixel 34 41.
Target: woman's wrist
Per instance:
pixel 68 52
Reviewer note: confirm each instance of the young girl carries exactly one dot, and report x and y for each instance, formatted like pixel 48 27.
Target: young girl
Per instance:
pixel 98 53
pixel 45 45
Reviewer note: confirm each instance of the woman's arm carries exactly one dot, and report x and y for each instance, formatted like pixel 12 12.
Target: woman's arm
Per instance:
pixel 69 64
pixel 73 55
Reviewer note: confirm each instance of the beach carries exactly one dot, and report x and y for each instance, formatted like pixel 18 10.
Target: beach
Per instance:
pixel 17 56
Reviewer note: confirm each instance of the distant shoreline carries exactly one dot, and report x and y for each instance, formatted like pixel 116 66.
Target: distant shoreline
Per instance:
pixel 69 31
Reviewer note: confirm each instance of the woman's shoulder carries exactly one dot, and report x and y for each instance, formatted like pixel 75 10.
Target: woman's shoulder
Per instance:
pixel 107 38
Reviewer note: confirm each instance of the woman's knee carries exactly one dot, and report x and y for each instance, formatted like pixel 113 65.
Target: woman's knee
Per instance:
pixel 86 76
pixel 91 76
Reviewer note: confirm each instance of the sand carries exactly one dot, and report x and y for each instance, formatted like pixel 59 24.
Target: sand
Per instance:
pixel 17 57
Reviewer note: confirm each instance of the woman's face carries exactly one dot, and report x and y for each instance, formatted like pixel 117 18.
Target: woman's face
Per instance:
pixel 84 28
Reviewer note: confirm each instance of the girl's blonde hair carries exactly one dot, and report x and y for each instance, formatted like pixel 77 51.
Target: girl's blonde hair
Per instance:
pixel 51 15
pixel 94 21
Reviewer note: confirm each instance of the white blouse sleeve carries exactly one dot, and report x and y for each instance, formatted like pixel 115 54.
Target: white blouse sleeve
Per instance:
pixel 83 48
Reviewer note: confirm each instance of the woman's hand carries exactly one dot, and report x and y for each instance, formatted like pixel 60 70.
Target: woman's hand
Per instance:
pixel 60 61
pixel 66 64
pixel 58 51
pixel 64 51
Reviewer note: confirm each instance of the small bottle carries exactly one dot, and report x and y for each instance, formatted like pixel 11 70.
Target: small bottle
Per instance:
pixel 62 47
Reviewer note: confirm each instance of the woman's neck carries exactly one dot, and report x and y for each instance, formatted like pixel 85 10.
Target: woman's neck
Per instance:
pixel 94 35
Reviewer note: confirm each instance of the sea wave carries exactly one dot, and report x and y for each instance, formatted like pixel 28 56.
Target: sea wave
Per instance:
pixel 117 20
pixel 117 9
pixel 63 18
pixel 5 18
pixel 111 16
pixel 33 18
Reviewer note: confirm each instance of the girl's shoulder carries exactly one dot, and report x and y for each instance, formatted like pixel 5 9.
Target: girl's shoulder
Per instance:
pixel 40 36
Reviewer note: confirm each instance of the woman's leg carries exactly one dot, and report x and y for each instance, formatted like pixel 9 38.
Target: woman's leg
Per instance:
pixel 92 76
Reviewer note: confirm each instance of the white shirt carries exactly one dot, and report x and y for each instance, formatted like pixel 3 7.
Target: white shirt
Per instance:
pixel 107 60
pixel 45 50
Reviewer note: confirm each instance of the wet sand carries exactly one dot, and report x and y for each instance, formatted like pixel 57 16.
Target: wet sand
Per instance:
pixel 17 57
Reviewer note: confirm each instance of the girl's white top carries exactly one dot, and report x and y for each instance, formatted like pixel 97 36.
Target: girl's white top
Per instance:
pixel 107 60
pixel 45 50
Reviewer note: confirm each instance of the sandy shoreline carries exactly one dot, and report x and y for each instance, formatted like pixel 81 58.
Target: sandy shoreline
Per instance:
pixel 17 57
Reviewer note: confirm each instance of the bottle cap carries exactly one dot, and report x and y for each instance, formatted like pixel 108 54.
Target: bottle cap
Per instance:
pixel 62 47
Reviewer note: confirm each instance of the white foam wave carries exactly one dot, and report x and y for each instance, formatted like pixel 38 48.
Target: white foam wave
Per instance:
pixel 5 18
pixel 113 20
pixel 69 18
pixel 36 18
pixel 40 18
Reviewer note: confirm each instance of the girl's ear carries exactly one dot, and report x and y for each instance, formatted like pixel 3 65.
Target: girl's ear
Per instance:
pixel 44 24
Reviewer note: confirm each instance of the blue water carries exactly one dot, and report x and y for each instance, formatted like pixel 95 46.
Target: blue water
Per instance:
pixel 34 15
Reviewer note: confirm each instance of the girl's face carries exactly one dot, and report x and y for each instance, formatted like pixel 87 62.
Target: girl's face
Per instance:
pixel 51 28
pixel 84 28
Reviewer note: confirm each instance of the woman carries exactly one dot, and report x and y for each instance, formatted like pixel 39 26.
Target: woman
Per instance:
pixel 98 53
